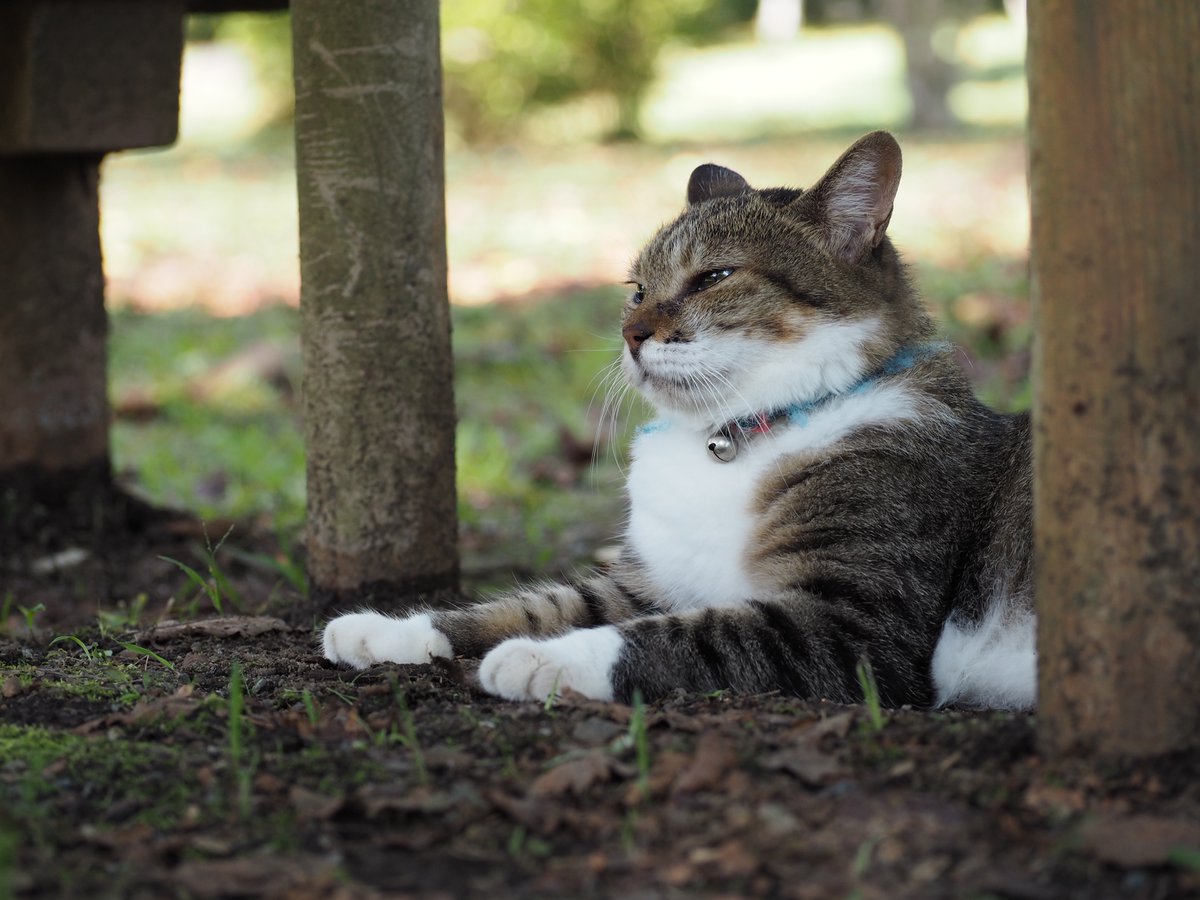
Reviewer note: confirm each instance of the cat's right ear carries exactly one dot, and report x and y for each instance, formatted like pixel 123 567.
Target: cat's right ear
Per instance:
pixel 710 181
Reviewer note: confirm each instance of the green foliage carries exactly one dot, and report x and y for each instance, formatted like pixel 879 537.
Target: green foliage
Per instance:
pixel 8 859
pixel 266 39
pixel 94 774
pixel 242 769
pixel 1185 858
pixel 501 59
pixel 407 736
pixel 641 744
pixel 870 690
pixel 87 651
pixel 150 654
pixel 30 613
pixel 216 585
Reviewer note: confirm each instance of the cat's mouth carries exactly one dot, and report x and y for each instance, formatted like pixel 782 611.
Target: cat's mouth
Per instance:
pixel 692 390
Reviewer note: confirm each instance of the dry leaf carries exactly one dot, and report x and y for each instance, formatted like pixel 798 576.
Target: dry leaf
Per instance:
pixel 711 765
pixel 310 805
pixel 838 726
pixel 538 815
pixel 1135 841
pixel 805 762
pixel 261 876
pixel 574 776
pixel 376 799
pixel 181 703
pixel 223 626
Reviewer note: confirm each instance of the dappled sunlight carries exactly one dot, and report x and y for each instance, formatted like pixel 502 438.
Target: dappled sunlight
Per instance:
pixel 212 222
pixel 828 78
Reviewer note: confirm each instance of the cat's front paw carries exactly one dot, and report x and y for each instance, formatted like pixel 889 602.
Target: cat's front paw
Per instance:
pixel 528 669
pixel 363 639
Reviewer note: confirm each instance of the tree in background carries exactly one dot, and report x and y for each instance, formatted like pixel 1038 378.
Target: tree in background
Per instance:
pixel 504 58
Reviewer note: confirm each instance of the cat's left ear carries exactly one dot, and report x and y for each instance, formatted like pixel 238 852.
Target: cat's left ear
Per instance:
pixel 711 181
pixel 852 203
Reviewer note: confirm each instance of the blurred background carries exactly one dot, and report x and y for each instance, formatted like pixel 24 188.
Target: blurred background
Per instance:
pixel 571 131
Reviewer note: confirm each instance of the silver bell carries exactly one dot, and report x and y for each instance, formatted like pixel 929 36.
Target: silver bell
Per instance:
pixel 722 447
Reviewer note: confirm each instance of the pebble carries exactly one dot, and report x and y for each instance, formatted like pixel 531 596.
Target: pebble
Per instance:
pixel 12 687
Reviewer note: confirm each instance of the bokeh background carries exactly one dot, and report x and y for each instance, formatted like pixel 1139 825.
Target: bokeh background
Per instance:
pixel 571 130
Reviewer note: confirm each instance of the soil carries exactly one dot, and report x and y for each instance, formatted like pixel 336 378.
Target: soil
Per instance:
pixel 221 756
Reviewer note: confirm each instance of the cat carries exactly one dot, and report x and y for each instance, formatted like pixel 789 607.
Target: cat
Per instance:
pixel 821 491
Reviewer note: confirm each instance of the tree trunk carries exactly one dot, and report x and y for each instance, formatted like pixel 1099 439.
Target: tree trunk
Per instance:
pixel 928 75
pixel 378 394
pixel 1115 176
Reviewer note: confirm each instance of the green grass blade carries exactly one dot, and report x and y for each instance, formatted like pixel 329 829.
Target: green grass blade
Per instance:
pixel 142 651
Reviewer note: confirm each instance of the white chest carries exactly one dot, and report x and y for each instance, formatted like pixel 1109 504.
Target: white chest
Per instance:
pixel 692 518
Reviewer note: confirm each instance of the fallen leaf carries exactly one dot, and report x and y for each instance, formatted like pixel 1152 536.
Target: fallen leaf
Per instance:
pixel 311 805
pixel 255 876
pixel 1135 841
pixel 595 731
pixel 376 799
pixel 714 759
pixel 838 726
pixel 1052 799
pixel 805 762
pixel 664 771
pixel 179 704
pixel 268 783
pixel 729 859
pixel 223 626
pixel 539 815
pixel 574 776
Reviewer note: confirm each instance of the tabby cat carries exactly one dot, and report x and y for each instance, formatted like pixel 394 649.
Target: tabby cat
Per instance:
pixel 821 489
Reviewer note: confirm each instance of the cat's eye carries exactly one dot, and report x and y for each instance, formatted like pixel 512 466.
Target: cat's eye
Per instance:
pixel 708 279
pixel 639 294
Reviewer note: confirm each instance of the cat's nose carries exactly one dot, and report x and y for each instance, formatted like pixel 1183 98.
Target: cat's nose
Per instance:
pixel 635 334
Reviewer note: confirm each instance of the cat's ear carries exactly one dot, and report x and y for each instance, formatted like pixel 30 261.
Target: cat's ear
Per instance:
pixel 709 181
pixel 852 203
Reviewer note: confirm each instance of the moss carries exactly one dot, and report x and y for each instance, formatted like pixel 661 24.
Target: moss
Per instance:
pixel 42 770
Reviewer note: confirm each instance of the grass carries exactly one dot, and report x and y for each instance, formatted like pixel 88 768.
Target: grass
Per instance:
pixel 149 654
pixel 91 773
pixel 216 586
pixel 641 746
pixel 239 763
pixel 870 691
pixel 407 736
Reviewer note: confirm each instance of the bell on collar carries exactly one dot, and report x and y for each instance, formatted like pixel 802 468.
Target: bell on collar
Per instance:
pixel 722 447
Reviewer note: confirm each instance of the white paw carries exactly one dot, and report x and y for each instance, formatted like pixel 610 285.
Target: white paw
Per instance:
pixel 363 639
pixel 527 669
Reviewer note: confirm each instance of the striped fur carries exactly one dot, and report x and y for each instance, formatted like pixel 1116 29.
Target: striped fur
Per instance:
pixel 891 525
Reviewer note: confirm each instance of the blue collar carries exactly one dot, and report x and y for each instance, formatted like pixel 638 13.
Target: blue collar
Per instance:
pixel 798 414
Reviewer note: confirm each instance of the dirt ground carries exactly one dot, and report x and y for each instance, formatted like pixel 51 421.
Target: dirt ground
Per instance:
pixel 221 756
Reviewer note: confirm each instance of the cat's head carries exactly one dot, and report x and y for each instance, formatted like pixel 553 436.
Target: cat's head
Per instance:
pixel 757 299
